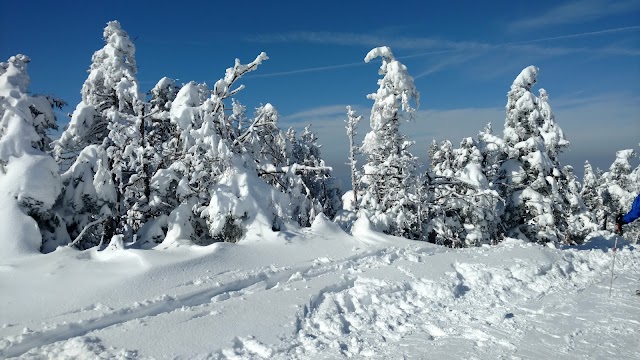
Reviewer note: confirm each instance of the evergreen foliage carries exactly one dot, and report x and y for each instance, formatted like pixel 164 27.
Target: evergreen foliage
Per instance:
pixel 389 185
pixel 537 192
pixel 29 178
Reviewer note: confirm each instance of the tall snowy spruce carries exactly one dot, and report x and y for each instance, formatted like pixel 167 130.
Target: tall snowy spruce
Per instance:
pixel 111 86
pixel 537 203
pixel 389 184
pixel 101 147
pixel 29 180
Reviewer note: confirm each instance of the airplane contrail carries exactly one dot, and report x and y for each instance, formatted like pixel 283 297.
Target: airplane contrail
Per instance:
pixel 299 71
pixel 628 28
pixel 340 66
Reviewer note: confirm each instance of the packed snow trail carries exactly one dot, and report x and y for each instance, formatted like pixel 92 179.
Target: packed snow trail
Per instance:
pixel 319 293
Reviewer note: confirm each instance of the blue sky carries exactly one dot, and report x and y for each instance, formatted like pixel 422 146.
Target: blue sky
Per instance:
pixel 464 56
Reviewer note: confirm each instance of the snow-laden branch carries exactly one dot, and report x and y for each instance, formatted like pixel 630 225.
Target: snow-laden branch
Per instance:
pixel 77 239
pixel 295 168
pixel 246 134
pixel 222 88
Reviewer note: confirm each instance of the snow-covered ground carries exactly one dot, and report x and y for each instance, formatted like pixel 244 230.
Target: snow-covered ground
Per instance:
pixel 318 293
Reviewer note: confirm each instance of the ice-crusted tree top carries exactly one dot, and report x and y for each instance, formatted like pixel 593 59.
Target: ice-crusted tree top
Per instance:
pixel 621 165
pixel 553 135
pixel 14 73
pixel 589 179
pixel 113 71
pixel 527 78
pixel 523 116
pixel 36 109
pixel 396 90
pixel 16 134
pixel 163 93
pixel 26 171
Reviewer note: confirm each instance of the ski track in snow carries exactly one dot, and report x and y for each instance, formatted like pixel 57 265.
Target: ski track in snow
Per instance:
pixel 263 280
pixel 493 309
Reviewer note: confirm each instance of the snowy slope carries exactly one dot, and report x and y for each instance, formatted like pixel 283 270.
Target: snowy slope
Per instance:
pixel 318 293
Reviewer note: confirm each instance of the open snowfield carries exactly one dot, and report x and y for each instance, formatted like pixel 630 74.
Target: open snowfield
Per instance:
pixel 318 293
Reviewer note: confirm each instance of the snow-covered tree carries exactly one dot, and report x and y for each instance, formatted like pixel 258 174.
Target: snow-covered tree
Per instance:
pixel 389 182
pixel 580 221
pixel 188 179
pixel 619 188
pixel 494 154
pixel 111 85
pixel 354 150
pixel 210 146
pixel 592 195
pixel 87 194
pixel 265 141
pixel 109 116
pixel 445 225
pixel 463 206
pixel 442 158
pixel 536 209
pixel 29 180
pixel 554 140
pixel 321 185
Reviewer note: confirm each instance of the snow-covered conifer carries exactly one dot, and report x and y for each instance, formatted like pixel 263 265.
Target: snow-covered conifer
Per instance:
pixel 324 188
pixel 494 153
pixel 579 220
pixel 618 188
pixel 109 116
pixel 463 209
pixel 210 146
pixel 389 182
pixel 442 159
pixel 591 194
pixel 111 85
pixel 352 126
pixel 535 207
pixel 29 180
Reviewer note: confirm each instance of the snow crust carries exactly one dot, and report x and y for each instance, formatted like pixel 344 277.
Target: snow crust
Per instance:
pixel 321 293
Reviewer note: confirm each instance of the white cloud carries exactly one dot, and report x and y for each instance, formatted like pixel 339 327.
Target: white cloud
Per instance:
pixel 573 12
pixel 355 39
